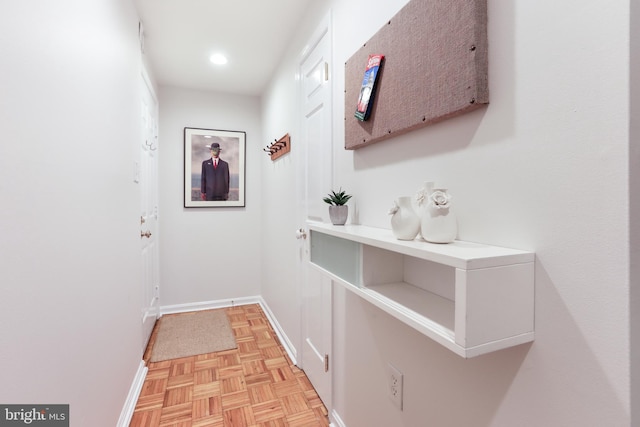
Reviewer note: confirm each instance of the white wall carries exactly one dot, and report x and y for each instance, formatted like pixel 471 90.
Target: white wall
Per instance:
pixel 208 254
pixel 280 251
pixel 634 192
pixel 546 168
pixel 70 295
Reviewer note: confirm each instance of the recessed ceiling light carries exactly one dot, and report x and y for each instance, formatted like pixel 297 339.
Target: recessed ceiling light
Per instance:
pixel 218 59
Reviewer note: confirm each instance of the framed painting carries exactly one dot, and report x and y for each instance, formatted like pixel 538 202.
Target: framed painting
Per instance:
pixel 214 168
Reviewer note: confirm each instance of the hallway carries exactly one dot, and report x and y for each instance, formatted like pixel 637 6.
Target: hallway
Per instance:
pixel 253 385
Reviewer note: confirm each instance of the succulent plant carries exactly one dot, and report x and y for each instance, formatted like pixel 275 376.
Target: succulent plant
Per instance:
pixel 337 199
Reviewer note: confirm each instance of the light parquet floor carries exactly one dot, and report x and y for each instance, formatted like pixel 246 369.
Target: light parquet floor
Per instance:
pixel 255 385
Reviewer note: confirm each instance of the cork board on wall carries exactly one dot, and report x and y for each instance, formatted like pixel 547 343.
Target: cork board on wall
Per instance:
pixel 435 67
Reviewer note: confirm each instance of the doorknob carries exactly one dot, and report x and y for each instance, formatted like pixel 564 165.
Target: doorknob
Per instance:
pixel 301 233
pixel 146 234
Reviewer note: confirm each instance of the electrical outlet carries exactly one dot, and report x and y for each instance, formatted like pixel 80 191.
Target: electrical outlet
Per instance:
pixel 395 379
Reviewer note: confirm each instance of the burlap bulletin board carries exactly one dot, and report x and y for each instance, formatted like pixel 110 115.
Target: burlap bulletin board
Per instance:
pixel 435 68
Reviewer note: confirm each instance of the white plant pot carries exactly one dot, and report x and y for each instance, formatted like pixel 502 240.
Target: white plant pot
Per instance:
pixel 338 214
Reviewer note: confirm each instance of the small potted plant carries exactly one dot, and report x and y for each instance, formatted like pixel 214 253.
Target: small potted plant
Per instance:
pixel 338 210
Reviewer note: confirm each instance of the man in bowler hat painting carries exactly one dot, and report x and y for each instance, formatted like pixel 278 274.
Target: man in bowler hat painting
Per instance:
pixel 215 176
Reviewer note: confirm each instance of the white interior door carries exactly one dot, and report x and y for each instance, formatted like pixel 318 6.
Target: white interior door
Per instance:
pixel 316 175
pixel 148 182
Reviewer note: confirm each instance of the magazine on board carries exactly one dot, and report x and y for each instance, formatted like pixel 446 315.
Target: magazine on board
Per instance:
pixel 368 88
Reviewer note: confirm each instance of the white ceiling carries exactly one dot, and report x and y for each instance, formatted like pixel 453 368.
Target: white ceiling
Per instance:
pixel 181 35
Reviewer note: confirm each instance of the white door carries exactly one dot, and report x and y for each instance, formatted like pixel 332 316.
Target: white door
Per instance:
pixel 148 182
pixel 316 153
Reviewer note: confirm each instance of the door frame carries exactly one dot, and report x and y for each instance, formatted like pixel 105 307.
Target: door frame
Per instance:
pixel 150 274
pixel 323 29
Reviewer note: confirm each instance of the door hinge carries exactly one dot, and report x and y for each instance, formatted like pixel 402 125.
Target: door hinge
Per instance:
pixel 326 363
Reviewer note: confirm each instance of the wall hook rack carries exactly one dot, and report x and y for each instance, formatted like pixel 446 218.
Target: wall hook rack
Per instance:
pixel 279 147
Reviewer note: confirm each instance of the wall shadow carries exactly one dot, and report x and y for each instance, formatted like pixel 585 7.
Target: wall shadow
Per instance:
pixel 557 380
pixel 486 125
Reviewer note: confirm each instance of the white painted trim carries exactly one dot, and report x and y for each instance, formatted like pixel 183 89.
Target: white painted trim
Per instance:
pixel 323 28
pixel 284 339
pixel 336 421
pixel 209 305
pixel 132 398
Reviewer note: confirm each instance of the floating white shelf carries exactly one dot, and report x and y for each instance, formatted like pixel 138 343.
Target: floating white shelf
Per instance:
pixel 471 298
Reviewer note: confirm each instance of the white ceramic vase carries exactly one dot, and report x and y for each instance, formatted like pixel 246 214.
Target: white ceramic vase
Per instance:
pixel 405 223
pixel 422 197
pixel 439 223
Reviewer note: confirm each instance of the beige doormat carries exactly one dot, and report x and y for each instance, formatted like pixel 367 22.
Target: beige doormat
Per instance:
pixel 189 334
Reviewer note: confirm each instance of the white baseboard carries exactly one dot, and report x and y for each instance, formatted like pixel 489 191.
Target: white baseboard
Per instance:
pixel 336 421
pixel 132 398
pixel 284 339
pixel 209 305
